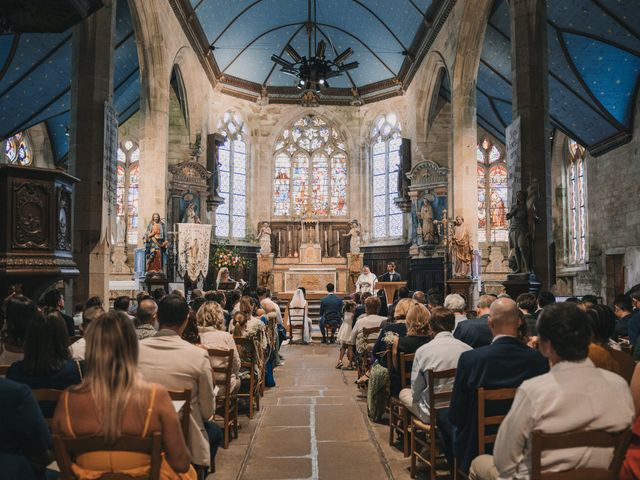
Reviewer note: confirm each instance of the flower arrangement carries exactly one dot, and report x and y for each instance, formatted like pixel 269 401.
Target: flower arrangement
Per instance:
pixel 225 255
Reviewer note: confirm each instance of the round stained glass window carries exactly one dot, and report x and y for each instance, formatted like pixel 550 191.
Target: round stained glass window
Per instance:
pixel 17 150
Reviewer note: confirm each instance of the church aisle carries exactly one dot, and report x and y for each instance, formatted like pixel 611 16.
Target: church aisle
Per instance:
pixel 313 425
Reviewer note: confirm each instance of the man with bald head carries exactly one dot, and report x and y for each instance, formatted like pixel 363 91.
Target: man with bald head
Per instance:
pixel 505 363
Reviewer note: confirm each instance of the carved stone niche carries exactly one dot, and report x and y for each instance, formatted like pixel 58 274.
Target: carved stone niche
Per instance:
pixel 37 212
pixel 188 184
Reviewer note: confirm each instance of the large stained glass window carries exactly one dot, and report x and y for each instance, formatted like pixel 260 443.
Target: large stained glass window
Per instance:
pixel 127 191
pixel 386 138
pixel 577 213
pixel 492 192
pixel 16 150
pixel 310 173
pixel 231 216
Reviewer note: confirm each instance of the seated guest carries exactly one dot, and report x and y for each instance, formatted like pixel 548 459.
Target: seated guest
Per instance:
pixel 47 361
pixel 233 301
pixel 441 353
pixel 177 365
pixel 55 300
pixel 253 325
pixel 587 301
pixel 528 304
pixel 146 318
pixel 505 363
pixel 378 390
pixel 574 395
pixel 25 441
pixel 545 298
pixel 370 319
pixel 457 305
pixel 476 332
pixel 94 301
pixel 122 304
pixel 190 333
pixel 360 298
pixel 419 297
pixel 88 316
pixel 417 335
pixel 622 308
pixel 602 322
pixel 434 301
pixel 20 311
pixel 158 294
pixel 213 335
pixel 113 400
pixel 401 293
pixel 330 310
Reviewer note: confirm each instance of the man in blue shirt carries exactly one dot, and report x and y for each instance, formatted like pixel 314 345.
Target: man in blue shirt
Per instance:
pixel 330 311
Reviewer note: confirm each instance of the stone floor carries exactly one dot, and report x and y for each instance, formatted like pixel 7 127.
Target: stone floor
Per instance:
pixel 312 425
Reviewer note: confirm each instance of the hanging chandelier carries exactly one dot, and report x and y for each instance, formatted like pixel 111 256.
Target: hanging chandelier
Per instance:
pixel 313 71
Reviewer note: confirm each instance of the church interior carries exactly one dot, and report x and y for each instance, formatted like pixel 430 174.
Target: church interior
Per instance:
pixel 274 186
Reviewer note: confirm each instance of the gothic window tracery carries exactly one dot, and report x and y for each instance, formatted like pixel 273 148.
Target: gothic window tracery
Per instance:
pixel 16 150
pixel 492 192
pixel 576 198
pixel 386 138
pixel 231 216
pixel 127 191
pixel 310 172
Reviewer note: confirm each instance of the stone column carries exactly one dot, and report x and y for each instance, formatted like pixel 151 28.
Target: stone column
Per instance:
pixel 214 200
pixel 529 68
pixel 91 95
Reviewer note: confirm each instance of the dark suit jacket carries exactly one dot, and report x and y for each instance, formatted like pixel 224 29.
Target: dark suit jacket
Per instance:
pixel 387 277
pixel 506 363
pixel 71 328
pixel 331 304
pixel 475 332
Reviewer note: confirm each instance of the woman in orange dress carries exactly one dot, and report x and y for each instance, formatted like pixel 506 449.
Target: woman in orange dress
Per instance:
pixel 113 400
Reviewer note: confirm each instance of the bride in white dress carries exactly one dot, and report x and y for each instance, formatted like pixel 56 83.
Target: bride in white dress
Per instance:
pixel 299 307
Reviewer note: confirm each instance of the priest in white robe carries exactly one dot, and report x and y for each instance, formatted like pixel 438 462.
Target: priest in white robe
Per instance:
pixel 366 281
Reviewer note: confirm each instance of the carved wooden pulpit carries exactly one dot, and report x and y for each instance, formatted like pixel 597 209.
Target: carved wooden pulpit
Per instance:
pixel 36 210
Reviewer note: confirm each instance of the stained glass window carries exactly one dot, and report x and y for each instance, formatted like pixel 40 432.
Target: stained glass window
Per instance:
pixel 576 186
pixel 385 152
pixel 492 192
pixel 17 150
pixel 127 191
pixel 231 216
pixel 310 171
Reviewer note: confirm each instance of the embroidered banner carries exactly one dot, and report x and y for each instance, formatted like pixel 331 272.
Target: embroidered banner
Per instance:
pixel 193 250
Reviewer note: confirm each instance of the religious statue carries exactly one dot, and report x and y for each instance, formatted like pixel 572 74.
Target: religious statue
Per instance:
pixel 264 235
pixel 155 240
pixel 354 233
pixel 519 235
pixel 190 215
pixel 460 248
pixel 426 216
pixel 533 195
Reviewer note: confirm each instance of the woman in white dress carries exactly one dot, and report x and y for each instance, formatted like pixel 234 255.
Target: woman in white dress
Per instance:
pixel 366 281
pixel 298 307
pixel 344 334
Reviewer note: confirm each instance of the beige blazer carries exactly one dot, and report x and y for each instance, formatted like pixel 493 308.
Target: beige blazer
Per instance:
pixel 177 365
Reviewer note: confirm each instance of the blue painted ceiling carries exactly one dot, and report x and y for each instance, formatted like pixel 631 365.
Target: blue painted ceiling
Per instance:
pixel 245 33
pixel 594 69
pixel 35 80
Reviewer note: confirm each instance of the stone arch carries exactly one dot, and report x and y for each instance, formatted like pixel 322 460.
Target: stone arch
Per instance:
pixel 428 85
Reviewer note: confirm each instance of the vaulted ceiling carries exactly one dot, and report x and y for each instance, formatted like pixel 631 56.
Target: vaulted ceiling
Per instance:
pixel 594 70
pixel 35 80
pixel 389 38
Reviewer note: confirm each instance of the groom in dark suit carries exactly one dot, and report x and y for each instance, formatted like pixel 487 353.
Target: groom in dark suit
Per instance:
pixel 391 275
pixel 330 311
pixel 505 363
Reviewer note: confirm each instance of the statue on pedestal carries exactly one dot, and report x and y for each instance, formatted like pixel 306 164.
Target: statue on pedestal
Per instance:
pixel 426 217
pixel 190 215
pixel 264 235
pixel 155 241
pixel 519 235
pixel 461 251
pixel 355 234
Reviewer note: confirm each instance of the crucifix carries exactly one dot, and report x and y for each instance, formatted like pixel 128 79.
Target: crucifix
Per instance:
pixel 444 228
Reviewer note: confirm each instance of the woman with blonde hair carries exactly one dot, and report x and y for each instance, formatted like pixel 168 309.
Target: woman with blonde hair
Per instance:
pixel 211 326
pixel 113 400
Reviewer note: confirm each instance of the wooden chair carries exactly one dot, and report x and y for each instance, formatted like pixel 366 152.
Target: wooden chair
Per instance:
pixel 248 359
pixel 225 401
pixel 296 315
pixel 437 401
pixel 484 439
pixel 399 421
pixel 47 395
pixel 582 438
pixel 66 449
pixel 185 411
pixel 333 320
pixel 371 336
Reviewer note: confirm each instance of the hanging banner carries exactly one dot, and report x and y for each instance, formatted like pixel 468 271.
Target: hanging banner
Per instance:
pixel 514 182
pixel 193 250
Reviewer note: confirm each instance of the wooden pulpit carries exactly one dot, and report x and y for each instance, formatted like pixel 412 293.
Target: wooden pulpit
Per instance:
pixel 390 289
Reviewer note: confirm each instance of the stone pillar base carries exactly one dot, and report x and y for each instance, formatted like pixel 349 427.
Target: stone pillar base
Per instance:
pixel 265 270
pixel 465 287
pixel 355 263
